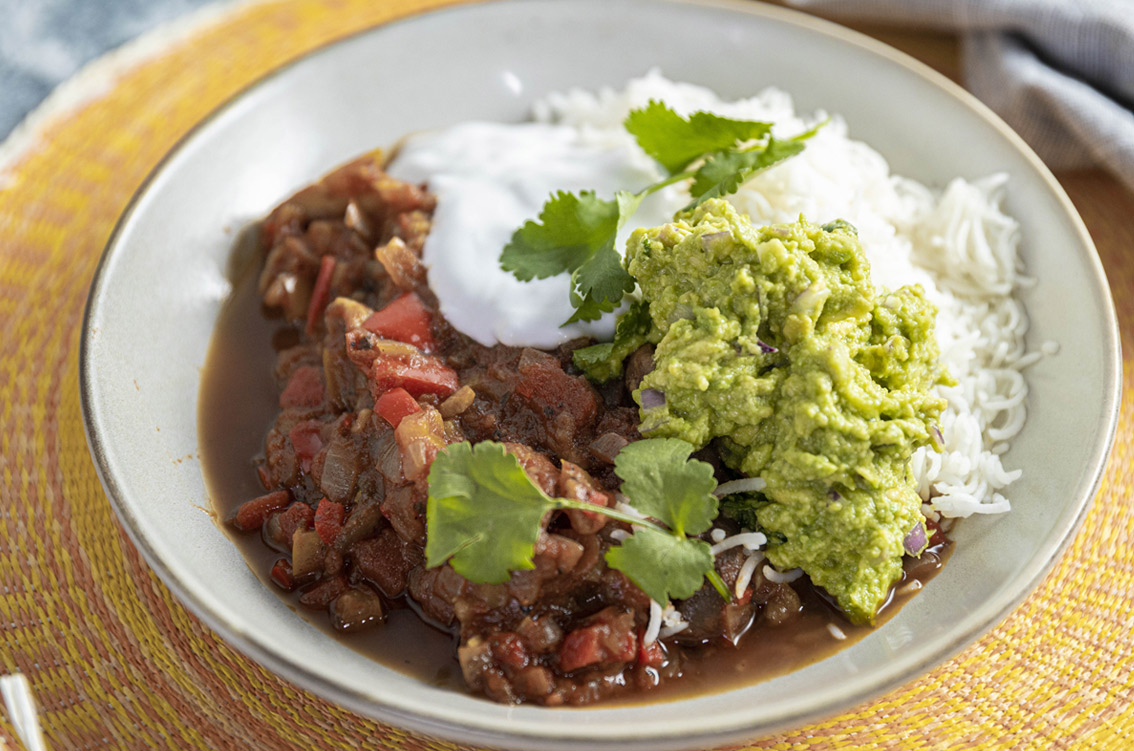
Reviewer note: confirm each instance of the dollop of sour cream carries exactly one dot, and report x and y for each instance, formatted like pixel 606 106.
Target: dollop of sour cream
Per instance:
pixel 490 178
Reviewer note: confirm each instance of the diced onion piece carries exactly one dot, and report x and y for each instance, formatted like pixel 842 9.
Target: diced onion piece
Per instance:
pixel 712 239
pixel 456 404
pixel 607 446
pixel 356 220
pixel 352 312
pixel 916 540
pixel 811 300
pixel 652 398
pixel 936 439
pixel 420 436
pixel 399 262
pixel 339 472
pixel 306 552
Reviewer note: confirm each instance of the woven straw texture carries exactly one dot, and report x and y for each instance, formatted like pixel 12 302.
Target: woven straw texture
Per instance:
pixel 116 662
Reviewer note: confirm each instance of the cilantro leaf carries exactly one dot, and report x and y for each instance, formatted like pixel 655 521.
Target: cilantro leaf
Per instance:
pixel 602 362
pixel 675 141
pixel 661 481
pixel 576 233
pixel 599 284
pixel 725 171
pixel 483 512
pixel 662 565
pixel 571 229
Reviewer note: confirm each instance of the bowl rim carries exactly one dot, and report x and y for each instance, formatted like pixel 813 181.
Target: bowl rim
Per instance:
pixel 1038 566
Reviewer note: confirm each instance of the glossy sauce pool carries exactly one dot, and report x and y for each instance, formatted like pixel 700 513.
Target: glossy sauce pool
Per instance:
pixel 239 400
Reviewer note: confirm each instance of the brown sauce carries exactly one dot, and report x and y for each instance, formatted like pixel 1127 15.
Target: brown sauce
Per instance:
pixel 237 405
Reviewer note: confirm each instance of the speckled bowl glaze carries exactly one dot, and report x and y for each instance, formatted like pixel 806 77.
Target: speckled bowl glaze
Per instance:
pixel 162 281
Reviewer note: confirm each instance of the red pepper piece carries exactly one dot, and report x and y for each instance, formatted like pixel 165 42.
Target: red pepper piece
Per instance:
pixel 652 655
pixel 404 319
pixel 281 574
pixel 581 648
pixel 329 520
pixel 252 514
pixel 417 375
pixel 321 294
pixel 396 404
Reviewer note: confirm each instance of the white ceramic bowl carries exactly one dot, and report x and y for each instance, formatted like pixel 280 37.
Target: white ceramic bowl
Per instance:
pixel 161 282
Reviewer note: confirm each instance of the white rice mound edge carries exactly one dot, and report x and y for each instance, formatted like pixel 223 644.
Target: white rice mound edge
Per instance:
pixel 956 243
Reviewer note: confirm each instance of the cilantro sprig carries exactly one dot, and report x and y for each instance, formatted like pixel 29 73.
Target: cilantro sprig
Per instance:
pixel 602 362
pixel 484 516
pixel 576 232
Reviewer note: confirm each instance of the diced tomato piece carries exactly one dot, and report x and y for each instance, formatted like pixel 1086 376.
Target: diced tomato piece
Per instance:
pixel 252 514
pixel 304 388
pixel 418 375
pixel 396 404
pixel 321 294
pixel 621 646
pixel 652 655
pixel 609 638
pixel 580 648
pixel 936 534
pixel 306 441
pixel 281 574
pixel 329 520
pixel 296 516
pixel 509 649
pixel 547 387
pixel 404 319
pixel 324 593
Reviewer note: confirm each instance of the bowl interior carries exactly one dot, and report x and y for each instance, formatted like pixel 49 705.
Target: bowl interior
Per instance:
pixel 163 280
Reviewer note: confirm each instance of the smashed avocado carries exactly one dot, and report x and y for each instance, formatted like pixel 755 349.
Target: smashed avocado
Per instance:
pixel 774 343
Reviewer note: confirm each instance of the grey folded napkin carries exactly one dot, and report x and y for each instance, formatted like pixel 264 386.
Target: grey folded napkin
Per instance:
pixel 1060 72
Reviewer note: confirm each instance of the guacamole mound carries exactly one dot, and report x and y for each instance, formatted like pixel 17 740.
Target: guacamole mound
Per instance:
pixel 774 342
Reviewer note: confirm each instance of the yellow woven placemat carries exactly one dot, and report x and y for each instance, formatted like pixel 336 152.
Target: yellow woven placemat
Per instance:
pixel 116 662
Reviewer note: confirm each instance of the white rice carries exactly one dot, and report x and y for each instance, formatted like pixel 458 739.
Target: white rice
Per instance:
pixel 956 242
pixel 664 623
pixel 747 569
pixel 748 540
pixel 782 577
